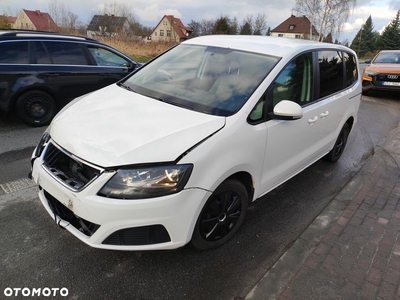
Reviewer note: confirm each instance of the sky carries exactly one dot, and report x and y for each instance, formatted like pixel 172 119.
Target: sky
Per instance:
pixel 149 12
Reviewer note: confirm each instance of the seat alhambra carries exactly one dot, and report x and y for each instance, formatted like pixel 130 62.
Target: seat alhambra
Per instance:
pixel 175 152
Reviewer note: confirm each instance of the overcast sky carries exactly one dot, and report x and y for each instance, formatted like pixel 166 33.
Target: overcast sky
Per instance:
pixel 149 12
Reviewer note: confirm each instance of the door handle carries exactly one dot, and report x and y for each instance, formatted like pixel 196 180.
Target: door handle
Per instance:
pixel 313 120
pixel 324 114
pixel 51 74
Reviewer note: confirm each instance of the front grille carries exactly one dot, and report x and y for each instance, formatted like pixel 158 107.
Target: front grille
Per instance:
pixel 388 77
pixel 138 236
pixel 60 210
pixel 73 173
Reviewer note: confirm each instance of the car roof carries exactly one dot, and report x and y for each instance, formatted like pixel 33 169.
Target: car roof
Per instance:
pixel 42 35
pixel 276 46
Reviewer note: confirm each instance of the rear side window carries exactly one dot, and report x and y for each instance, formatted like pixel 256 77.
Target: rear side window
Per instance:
pixel 351 69
pixel 66 53
pixel 14 53
pixel 331 72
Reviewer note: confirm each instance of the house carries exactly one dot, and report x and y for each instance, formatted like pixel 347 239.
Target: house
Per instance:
pixel 7 22
pixel 169 29
pixel 106 25
pixel 295 27
pixel 35 20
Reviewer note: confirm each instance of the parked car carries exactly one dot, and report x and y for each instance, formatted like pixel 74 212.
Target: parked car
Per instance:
pixel 383 72
pixel 40 72
pixel 178 150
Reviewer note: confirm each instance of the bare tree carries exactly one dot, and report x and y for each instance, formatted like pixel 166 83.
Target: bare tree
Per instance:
pixel 66 20
pixel 260 24
pixel 328 16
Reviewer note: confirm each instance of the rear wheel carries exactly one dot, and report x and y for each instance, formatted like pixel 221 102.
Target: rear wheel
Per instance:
pixel 340 144
pixel 36 108
pixel 221 216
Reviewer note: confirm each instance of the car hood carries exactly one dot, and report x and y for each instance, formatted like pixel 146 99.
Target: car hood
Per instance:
pixel 384 68
pixel 115 127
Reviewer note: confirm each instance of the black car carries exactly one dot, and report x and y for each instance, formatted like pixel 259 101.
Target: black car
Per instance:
pixel 40 72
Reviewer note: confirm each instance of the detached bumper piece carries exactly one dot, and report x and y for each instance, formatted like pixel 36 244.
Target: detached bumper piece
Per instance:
pixel 84 226
pixel 138 236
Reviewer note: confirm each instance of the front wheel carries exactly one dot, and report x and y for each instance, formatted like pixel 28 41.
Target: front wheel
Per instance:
pixel 36 108
pixel 221 216
pixel 340 144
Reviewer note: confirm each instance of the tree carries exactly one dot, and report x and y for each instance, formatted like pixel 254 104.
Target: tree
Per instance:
pixel 204 27
pixel 247 26
pixel 365 40
pixel 246 29
pixel 223 26
pixel 390 38
pixel 260 24
pixel 328 16
pixel 66 20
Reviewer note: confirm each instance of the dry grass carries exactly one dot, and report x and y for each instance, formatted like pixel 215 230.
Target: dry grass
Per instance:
pixel 138 50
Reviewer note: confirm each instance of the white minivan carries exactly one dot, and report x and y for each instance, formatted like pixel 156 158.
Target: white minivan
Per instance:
pixel 175 152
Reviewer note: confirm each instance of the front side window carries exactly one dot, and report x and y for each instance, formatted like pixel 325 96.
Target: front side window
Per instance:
pixel 161 32
pixel 14 53
pixel 64 53
pixel 295 81
pixel 211 80
pixel 104 57
pixel 331 72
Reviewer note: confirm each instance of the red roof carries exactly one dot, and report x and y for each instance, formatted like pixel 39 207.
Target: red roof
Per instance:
pixel 41 20
pixel 178 26
pixel 300 25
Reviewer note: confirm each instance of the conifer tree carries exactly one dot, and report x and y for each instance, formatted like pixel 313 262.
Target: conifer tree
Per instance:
pixel 390 38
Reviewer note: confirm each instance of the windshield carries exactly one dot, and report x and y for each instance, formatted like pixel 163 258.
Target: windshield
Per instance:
pixel 212 80
pixel 388 57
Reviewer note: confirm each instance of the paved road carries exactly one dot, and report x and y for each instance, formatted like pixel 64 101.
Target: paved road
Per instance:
pixel 35 253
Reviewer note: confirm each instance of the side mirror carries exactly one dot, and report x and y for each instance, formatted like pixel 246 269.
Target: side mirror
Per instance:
pixel 287 110
pixel 368 61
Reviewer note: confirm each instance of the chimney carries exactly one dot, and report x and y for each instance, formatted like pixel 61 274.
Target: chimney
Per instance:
pixel 38 12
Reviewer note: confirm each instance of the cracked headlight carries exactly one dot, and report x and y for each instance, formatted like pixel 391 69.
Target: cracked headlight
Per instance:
pixel 150 182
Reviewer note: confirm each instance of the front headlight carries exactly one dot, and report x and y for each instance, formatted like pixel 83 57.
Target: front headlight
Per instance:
pixel 147 182
pixel 370 73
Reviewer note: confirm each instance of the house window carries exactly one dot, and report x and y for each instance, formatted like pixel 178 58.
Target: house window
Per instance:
pixel 280 34
pixel 161 32
pixel 26 25
pixel 155 33
pixel 291 27
pixel 297 36
pixel 168 32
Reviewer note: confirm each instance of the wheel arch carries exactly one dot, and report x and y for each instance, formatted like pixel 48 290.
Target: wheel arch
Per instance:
pixel 247 180
pixel 15 97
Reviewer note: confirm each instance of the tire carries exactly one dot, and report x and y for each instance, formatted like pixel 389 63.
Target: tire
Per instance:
pixel 340 144
pixel 221 216
pixel 36 108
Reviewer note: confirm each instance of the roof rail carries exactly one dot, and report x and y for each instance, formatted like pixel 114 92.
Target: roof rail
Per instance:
pixel 32 33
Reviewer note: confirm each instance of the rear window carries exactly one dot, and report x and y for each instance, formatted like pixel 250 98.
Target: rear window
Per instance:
pixel 14 53
pixel 65 53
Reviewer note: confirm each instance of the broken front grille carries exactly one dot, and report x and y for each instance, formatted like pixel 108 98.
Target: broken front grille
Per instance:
pixel 70 171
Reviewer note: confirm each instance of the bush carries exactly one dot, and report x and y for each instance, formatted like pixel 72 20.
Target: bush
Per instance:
pixel 137 49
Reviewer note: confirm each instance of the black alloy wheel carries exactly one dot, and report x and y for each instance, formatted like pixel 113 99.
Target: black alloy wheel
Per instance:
pixel 221 216
pixel 36 108
pixel 340 144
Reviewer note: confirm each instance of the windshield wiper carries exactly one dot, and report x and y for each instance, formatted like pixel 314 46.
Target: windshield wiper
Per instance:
pixel 126 87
